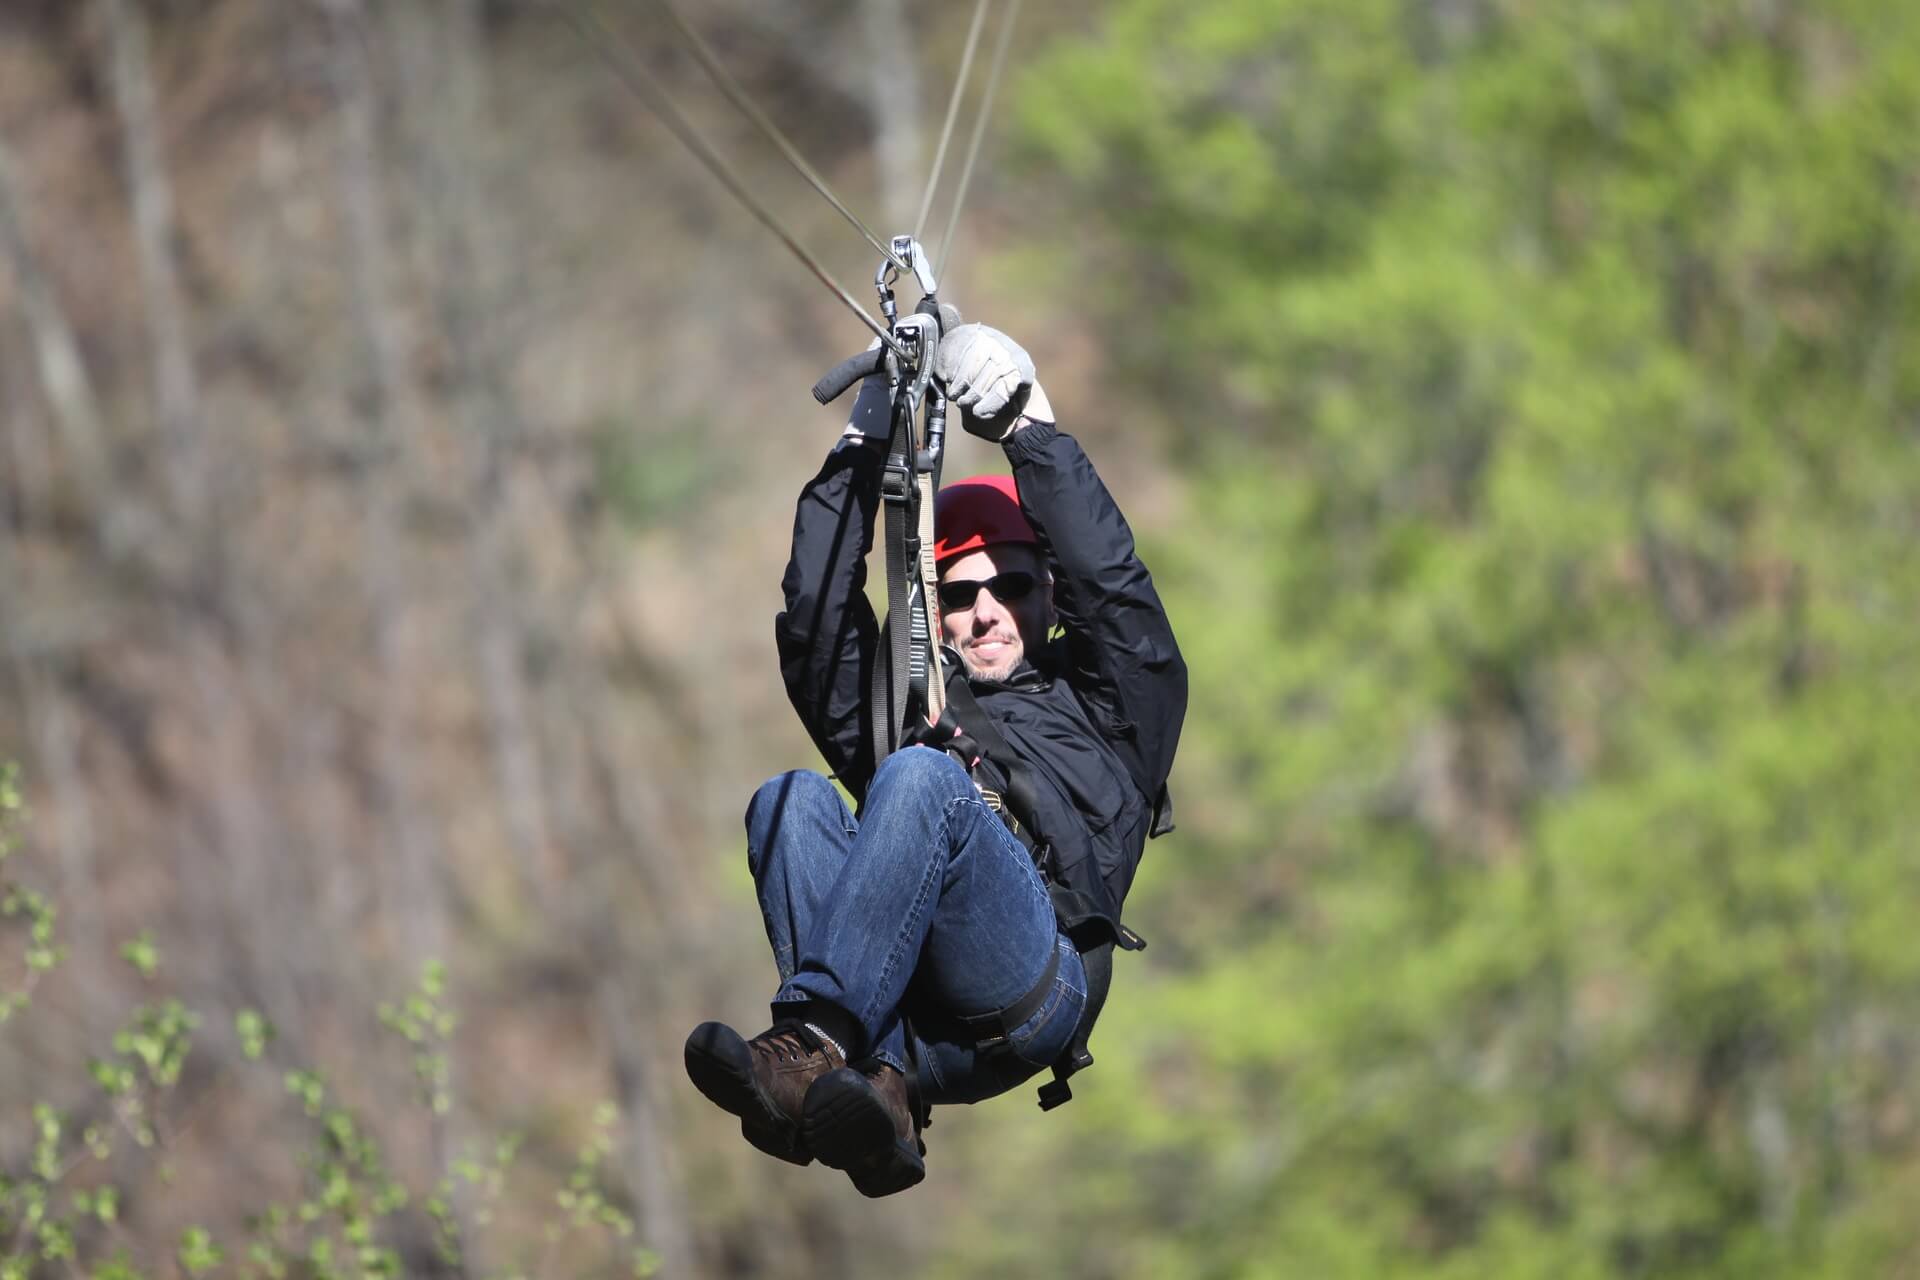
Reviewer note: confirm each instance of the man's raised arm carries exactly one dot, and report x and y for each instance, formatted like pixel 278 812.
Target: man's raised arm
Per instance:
pixel 1118 634
pixel 827 635
pixel 1117 629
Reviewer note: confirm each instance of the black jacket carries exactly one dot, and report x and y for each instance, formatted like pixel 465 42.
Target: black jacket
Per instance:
pixel 1097 719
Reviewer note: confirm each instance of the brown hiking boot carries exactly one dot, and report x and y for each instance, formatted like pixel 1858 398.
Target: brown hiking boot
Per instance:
pixel 866 1124
pixel 764 1080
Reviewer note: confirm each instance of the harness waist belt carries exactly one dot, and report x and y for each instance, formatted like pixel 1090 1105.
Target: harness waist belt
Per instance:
pixel 990 1030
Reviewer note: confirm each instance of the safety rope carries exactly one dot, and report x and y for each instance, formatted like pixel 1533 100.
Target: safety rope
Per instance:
pixel 953 113
pixel 737 95
pixel 980 119
pixel 628 69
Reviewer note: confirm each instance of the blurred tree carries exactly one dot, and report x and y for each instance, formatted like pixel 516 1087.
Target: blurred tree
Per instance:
pixel 1548 379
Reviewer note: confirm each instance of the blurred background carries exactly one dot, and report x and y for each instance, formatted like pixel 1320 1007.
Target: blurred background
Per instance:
pixel 1518 404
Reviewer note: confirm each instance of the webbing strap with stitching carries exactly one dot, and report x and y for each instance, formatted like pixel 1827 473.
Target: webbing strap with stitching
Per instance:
pixel 967 713
pixel 890 686
pixel 930 599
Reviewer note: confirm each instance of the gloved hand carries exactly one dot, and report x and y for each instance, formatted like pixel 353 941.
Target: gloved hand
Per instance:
pixel 872 416
pixel 990 378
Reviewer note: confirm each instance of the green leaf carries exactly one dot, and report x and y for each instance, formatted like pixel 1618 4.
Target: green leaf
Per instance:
pixel 198 1253
pixel 142 953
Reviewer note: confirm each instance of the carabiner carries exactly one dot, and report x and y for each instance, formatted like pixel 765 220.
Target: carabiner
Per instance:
pixel 905 249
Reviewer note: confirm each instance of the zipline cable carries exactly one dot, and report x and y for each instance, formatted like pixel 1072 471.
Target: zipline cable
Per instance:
pixel 980 119
pixel 737 95
pixel 626 67
pixel 953 113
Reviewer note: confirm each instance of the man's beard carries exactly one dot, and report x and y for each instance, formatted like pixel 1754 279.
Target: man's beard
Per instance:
pixel 1000 670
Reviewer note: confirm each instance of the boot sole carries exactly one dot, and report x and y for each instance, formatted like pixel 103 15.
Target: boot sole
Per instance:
pixel 721 1068
pixel 846 1125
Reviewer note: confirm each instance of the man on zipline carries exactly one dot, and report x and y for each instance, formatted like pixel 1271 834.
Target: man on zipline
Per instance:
pixel 957 937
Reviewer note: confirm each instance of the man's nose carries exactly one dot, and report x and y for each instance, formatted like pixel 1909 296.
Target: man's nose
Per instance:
pixel 987 611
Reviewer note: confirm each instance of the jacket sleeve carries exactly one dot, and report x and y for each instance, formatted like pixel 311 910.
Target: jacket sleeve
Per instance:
pixel 827 635
pixel 1119 642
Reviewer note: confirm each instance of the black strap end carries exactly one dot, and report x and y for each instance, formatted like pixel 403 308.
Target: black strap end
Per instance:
pixel 849 371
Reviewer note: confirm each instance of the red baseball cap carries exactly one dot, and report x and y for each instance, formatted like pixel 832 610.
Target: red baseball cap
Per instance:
pixel 978 512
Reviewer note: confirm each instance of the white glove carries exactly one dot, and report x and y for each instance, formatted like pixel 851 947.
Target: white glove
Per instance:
pixel 988 376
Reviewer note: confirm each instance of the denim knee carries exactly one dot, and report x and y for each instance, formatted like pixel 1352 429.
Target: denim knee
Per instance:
pixel 788 795
pixel 922 769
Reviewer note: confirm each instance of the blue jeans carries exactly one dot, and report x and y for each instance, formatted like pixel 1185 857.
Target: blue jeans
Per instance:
pixel 926 904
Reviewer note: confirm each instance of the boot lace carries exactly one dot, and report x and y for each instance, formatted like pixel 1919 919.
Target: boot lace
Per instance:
pixel 787 1041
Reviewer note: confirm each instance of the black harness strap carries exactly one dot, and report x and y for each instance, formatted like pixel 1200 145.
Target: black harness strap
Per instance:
pixel 989 1031
pixel 963 709
pixel 892 682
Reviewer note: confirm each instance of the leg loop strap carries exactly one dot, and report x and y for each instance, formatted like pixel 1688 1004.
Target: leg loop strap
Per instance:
pixel 989 1031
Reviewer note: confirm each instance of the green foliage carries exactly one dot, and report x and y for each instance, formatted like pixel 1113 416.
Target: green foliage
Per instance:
pixel 158 1039
pixel 198 1253
pixel 1546 378
pixel 341 1228
pixel 142 954
pixel 12 809
pixel 425 1023
pixel 133 1082
pixel 584 1200
pixel 254 1033
pixel 23 910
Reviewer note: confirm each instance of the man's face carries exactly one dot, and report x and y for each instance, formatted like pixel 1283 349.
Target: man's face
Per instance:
pixel 991 634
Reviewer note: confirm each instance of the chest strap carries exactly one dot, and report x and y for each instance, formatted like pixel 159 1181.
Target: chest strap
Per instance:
pixel 967 717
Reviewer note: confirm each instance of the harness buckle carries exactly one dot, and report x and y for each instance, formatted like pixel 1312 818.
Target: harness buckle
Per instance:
pixel 896 483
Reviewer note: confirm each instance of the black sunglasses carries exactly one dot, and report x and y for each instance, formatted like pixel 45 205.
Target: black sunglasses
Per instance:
pixel 1006 588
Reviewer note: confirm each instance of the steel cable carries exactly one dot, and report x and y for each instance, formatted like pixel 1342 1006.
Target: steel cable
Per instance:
pixel 953 113
pixel 737 95
pixel 626 67
pixel 1004 42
